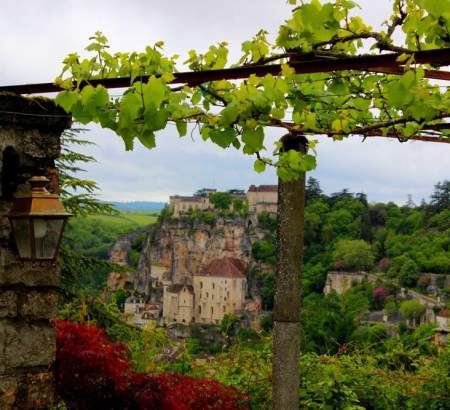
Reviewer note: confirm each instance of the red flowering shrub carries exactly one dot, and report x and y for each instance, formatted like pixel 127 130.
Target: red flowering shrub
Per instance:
pixel 89 369
pixel 379 296
pixel 91 372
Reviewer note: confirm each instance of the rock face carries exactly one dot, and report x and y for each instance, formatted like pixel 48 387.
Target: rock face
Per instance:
pixel 118 254
pixel 178 249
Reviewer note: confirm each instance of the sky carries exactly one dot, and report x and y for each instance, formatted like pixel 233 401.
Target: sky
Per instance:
pixel 37 35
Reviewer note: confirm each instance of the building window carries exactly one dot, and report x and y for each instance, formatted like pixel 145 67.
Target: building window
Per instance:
pixel 223 308
pixel 201 285
pixel 207 294
pixel 213 285
pixel 212 296
pixel 228 294
pixel 212 311
pixel 199 309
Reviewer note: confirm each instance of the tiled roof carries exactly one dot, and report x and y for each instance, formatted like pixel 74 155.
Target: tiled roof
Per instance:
pixel 263 188
pixel 444 313
pixel 178 287
pixel 224 268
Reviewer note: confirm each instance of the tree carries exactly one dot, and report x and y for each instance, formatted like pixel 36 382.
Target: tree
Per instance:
pixel 354 254
pixel 440 198
pixel 203 192
pixel 232 113
pixel 408 274
pixel 313 190
pixel 221 200
pixel 77 194
pixel 412 310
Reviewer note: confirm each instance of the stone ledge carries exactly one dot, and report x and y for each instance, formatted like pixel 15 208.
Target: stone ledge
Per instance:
pixel 14 272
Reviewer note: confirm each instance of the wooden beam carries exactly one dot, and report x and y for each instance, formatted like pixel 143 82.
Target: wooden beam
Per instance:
pixel 386 62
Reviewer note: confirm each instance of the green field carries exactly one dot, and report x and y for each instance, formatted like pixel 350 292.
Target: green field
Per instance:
pixel 95 234
pixel 127 219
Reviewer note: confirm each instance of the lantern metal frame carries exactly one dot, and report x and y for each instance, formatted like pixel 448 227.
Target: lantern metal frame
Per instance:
pixel 37 204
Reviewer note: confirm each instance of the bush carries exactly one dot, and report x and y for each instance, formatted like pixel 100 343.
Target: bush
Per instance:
pixel 408 274
pixel 354 254
pixel 412 309
pixel 267 222
pixel 93 372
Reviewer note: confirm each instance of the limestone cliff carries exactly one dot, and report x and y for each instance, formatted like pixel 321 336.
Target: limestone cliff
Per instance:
pixel 118 254
pixel 177 249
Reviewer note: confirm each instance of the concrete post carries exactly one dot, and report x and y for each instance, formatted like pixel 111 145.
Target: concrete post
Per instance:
pixel 286 313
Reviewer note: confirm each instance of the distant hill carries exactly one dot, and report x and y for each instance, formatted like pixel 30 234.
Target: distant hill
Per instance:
pixel 139 206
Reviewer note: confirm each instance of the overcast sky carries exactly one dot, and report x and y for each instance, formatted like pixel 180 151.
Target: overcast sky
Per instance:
pixel 37 35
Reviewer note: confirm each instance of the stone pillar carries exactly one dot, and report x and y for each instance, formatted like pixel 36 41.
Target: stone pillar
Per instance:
pixel 30 130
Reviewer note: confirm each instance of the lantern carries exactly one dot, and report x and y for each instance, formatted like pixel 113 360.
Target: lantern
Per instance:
pixel 37 220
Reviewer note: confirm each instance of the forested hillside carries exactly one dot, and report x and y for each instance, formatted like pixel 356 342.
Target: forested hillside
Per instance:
pixel 345 231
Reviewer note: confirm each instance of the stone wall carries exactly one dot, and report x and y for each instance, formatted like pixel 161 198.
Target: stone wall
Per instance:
pixel 339 282
pixel 29 143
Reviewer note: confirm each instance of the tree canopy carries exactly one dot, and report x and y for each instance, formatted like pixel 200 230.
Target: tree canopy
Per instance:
pixel 235 113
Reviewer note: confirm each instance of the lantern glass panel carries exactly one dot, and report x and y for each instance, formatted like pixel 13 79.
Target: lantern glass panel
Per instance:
pixel 46 236
pixel 22 233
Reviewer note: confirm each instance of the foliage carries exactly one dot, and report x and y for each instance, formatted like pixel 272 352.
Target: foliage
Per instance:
pixel 364 379
pixel 440 199
pixel 267 221
pixel 412 309
pixel 408 274
pixel 221 200
pixel 91 371
pixel 354 254
pixel 264 251
pixel 267 288
pixel 68 164
pixel 329 322
pixel 83 275
pixel 233 113
pixel 93 235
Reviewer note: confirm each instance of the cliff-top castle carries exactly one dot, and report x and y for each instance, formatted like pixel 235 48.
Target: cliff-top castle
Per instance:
pixel 259 198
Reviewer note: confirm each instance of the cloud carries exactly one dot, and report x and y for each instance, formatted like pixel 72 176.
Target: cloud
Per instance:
pixel 37 35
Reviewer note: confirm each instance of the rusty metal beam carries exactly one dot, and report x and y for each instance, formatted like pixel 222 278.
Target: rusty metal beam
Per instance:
pixel 386 63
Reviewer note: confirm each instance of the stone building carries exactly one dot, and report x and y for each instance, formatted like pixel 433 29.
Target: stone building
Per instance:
pixel 443 318
pixel 220 288
pixel 340 282
pixel 178 304
pixel 262 198
pixel 182 204
pixel 140 314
